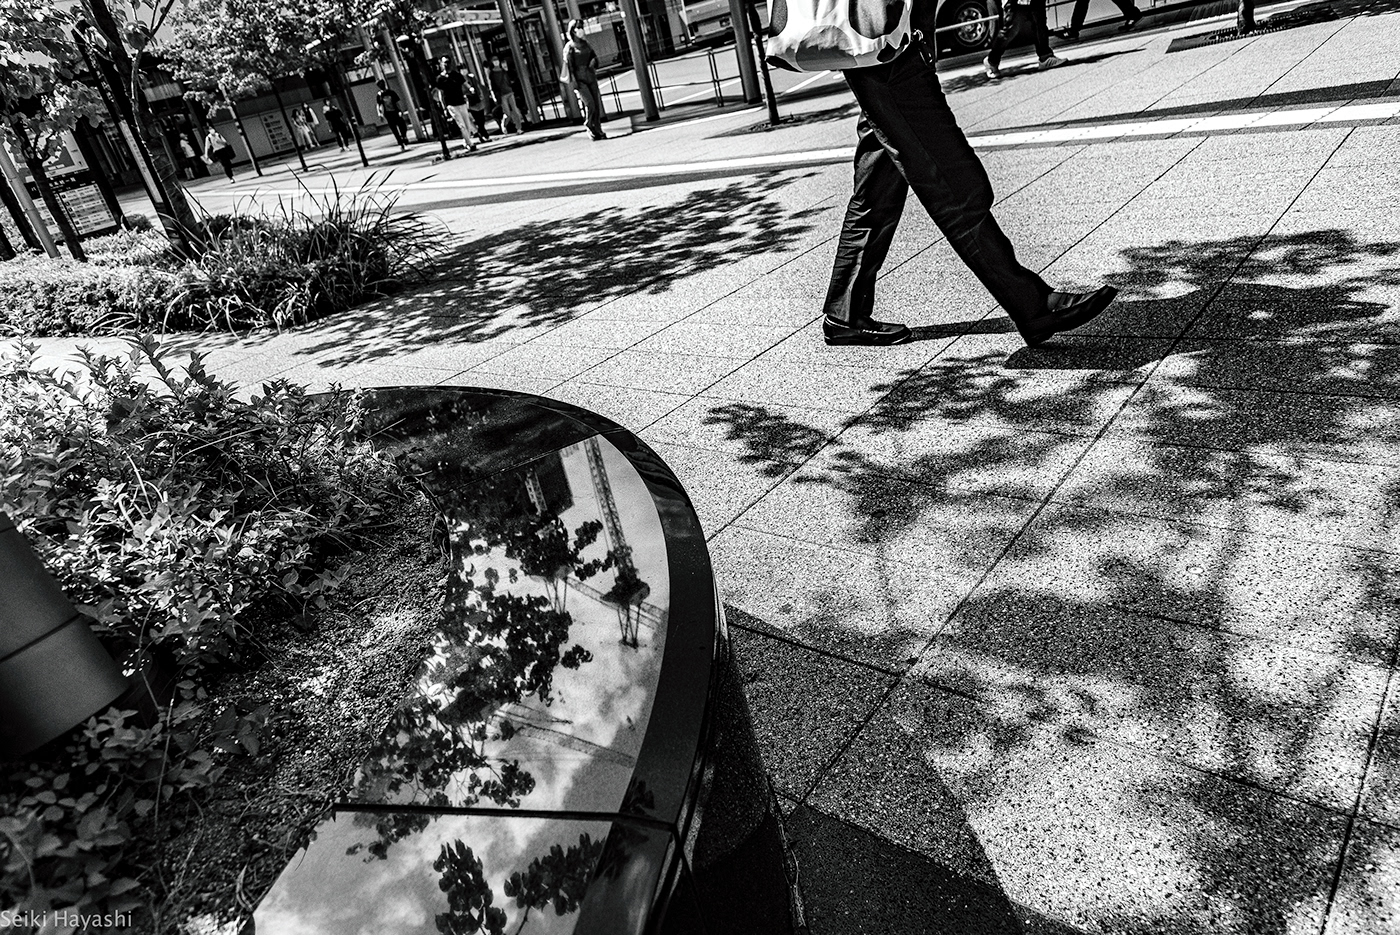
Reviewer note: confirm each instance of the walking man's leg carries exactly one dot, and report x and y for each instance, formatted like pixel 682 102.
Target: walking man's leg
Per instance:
pixel 1006 28
pixel 909 116
pixel 866 233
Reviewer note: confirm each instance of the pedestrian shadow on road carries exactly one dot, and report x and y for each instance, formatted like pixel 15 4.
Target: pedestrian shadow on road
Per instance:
pixel 1144 540
pixel 542 274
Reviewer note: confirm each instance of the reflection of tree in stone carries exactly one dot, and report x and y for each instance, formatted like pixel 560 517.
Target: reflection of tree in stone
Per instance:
pixel 496 647
pixel 469 896
pixel 558 879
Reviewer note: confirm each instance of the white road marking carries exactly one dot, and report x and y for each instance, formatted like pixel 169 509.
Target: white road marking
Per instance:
pixel 1166 127
pixel 802 84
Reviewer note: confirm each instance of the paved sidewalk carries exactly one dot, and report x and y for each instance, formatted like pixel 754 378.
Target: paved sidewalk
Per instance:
pixel 1099 637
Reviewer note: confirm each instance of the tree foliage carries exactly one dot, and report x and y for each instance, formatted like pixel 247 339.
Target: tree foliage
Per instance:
pixel 40 91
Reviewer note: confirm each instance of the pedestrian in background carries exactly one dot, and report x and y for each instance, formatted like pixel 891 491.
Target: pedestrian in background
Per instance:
pixel 908 138
pixel 476 104
pixel 220 150
pixel 335 119
pixel 451 87
pixel 581 71
pixel 1013 14
pixel 303 127
pixel 390 107
pixel 1131 15
pixel 504 90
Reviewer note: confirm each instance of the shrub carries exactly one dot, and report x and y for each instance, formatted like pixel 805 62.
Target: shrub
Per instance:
pixel 181 519
pixel 285 267
pixel 43 296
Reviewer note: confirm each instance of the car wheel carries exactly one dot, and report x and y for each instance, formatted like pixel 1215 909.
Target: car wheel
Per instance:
pixel 973 35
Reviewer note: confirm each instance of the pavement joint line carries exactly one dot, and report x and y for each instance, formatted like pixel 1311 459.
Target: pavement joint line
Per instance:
pixel 816 650
pixel 1355 811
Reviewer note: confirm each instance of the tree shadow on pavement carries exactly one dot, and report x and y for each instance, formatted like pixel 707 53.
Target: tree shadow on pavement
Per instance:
pixel 542 274
pixel 1201 609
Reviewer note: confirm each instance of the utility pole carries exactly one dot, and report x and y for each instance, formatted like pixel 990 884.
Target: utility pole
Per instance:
pixel 556 43
pixel 637 44
pixel 401 70
pixel 748 74
pixel 522 70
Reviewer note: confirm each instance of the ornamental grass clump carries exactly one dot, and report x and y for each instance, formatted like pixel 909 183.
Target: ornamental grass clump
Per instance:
pixel 190 526
pixel 308 258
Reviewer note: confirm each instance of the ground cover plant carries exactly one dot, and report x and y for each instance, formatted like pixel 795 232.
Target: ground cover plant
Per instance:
pixel 264 572
pixel 303 259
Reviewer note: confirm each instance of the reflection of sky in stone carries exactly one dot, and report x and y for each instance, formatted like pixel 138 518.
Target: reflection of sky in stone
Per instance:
pixel 327 892
pixel 581 747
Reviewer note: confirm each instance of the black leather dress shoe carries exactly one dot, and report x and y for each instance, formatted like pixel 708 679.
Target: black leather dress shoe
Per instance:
pixel 865 331
pixel 1065 311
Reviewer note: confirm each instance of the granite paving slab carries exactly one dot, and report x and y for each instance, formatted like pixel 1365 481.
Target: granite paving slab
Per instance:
pixel 805 704
pixel 1368 892
pixel 1088 833
pixel 858 606
pixel 1380 799
pixel 1327 599
pixel 1273 716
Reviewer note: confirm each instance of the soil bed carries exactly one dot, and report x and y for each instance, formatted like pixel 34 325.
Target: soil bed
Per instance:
pixel 331 687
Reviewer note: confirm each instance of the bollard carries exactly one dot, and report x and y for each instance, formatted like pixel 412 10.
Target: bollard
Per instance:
pixel 617 98
pixel 656 86
pixel 54 673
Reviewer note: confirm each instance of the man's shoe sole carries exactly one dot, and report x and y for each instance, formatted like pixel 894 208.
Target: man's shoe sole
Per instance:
pixel 869 340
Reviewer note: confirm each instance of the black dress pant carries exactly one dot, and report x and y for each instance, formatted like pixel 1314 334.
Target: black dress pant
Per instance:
pixel 1013 15
pixel 909 139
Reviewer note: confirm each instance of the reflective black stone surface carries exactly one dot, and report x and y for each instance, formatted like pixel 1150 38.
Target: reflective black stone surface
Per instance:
pixel 574 754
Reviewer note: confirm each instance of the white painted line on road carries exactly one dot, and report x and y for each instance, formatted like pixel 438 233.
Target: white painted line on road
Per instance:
pixel 1355 112
pixel 770 161
pixel 1362 112
pixel 802 84
pixel 707 91
pixel 1284 118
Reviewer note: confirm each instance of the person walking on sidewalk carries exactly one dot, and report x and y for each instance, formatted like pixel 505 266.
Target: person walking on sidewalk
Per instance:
pixel 390 107
pixel 581 71
pixel 476 104
pixel 220 150
pixel 1013 13
pixel 499 78
pixel 1131 16
pixel 451 87
pixel 908 138
pixel 335 119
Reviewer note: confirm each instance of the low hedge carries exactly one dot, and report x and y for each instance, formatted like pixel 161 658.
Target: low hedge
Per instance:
pixel 46 296
pixel 283 268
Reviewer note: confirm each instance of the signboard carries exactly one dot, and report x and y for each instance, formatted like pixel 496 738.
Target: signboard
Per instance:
pixel 277 133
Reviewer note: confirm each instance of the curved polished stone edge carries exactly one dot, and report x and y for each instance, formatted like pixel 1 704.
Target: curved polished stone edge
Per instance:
pixel 695 844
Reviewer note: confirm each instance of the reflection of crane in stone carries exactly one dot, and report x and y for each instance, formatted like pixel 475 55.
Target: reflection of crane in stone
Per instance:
pixel 629 592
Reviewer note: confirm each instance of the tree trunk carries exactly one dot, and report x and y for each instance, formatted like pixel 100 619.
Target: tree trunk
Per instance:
pixel 291 130
pixel 60 214
pixel 22 224
pixel 7 251
pixel 159 175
